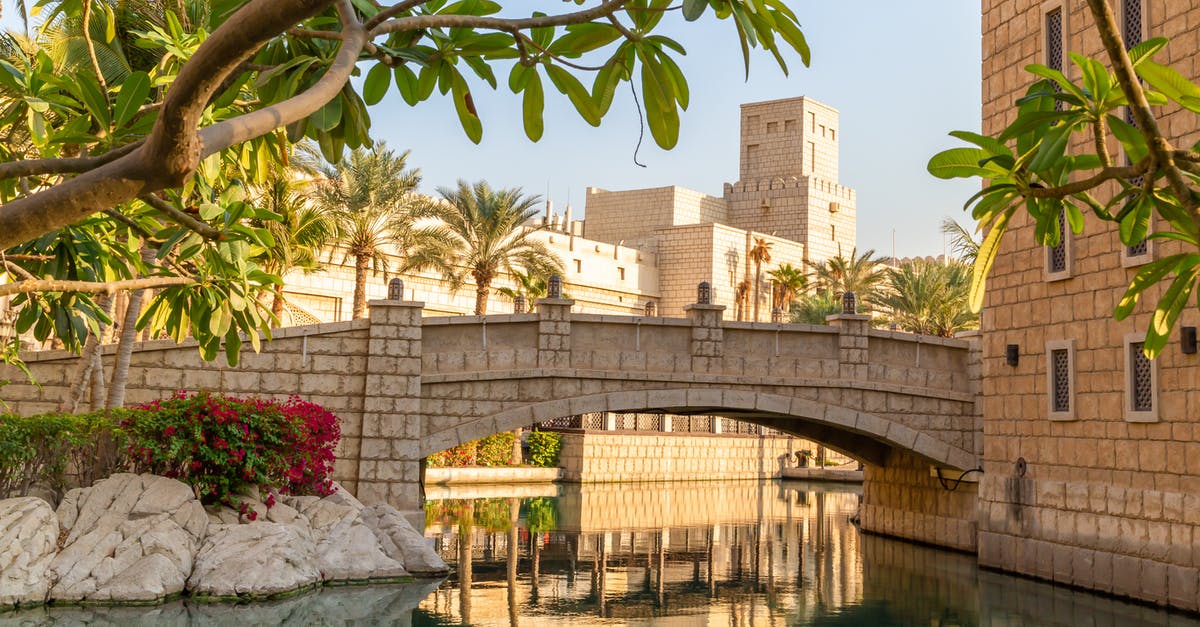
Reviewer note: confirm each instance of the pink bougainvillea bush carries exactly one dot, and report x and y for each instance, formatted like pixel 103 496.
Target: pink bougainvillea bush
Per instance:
pixel 222 445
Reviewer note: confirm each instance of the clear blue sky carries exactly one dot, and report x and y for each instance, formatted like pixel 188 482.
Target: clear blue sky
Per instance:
pixel 902 74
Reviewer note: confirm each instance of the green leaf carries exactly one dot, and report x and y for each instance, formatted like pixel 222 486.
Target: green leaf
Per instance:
pixel 406 82
pixel 986 257
pixel 1130 137
pixel 581 38
pixel 233 346
pixel 377 83
pixel 1052 149
pixel 1172 304
pixel 569 85
pixel 1136 223
pixel 465 107
pixel 958 163
pixel 661 115
pixel 328 116
pixel 532 106
pixel 1171 83
pixel 693 9
pixel 1147 275
pixel 131 97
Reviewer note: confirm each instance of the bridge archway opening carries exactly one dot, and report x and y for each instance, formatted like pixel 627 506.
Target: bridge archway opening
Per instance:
pixel 861 436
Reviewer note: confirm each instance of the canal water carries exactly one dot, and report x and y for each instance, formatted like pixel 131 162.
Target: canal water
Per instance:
pixel 730 554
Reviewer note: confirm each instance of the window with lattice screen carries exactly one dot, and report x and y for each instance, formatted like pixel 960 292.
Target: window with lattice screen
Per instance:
pixel 1141 391
pixel 1058 262
pixel 1132 20
pixel 1054 44
pixel 1060 379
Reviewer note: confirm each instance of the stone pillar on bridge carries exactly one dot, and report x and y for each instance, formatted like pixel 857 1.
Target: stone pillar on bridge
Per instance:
pixel 390 466
pixel 554 332
pixel 852 344
pixel 708 338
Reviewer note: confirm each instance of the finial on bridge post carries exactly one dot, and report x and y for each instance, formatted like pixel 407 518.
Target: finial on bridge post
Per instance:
pixel 520 305
pixel 396 289
pixel 777 315
pixel 704 293
pixel 651 309
pixel 554 287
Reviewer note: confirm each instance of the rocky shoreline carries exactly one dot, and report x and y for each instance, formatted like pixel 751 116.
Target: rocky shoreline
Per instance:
pixel 145 539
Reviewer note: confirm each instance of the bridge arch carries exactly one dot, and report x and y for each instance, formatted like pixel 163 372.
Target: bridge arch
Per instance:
pixel 855 433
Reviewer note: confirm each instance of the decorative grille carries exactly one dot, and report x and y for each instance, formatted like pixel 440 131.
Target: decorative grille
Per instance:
pixel 566 422
pixel 1140 379
pixel 1133 23
pixel 594 420
pixel 1060 362
pixel 1138 249
pixel 1058 254
pixel 648 422
pixel 692 424
pixel 1054 46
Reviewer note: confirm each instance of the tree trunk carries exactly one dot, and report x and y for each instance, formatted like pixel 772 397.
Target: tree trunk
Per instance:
pixel 362 264
pixel 277 299
pixel 97 376
pixel 516 448
pixel 83 368
pixel 481 297
pixel 120 372
pixel 757 285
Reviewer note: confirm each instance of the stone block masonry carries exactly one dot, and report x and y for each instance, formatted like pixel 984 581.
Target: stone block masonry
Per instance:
pixel 407 386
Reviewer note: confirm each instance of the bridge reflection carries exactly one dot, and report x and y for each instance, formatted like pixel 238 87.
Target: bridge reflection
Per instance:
pixel 738 553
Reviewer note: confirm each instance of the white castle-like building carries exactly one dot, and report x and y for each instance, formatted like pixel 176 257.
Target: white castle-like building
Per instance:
pixel 655 245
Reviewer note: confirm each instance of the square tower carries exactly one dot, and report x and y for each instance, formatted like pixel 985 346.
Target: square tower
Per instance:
pixel 791 137
pixel 789 177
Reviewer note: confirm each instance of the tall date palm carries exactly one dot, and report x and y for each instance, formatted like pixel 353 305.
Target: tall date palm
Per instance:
pixel 481 233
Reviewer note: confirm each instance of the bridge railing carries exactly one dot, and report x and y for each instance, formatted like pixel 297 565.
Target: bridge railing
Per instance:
pixel 644 422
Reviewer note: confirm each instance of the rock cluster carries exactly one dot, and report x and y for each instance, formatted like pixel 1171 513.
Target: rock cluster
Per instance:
pixel 144 538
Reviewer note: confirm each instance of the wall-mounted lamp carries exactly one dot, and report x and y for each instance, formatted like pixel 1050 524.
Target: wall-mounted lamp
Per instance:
pixel 1188 340
pixel 849 303
pixel 395 289
pixel 1012 354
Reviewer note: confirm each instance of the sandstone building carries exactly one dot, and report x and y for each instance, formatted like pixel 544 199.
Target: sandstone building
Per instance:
pixel 1091 451
pixel 656 245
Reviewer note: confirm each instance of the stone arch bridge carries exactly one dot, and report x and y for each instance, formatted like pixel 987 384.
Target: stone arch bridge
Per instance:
pixel 407 386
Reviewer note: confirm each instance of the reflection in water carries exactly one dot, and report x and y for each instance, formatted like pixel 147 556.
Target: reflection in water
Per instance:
pixel 737 554
pixel 744 553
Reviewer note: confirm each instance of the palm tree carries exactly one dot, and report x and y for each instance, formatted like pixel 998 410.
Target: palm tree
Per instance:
pixel 813 308
pixel 788 281
pixel 370 198
pixel 760 253
pixel 528 285
pixel 481 232
pixel 929 297
pixel 741 293
pixel 860 274
pixel 962 243
pixel 302 231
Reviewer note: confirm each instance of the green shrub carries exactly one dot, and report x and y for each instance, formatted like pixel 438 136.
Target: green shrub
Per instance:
pixel 55 451
pixel 495 450
pixel 544 447
pixel 541 515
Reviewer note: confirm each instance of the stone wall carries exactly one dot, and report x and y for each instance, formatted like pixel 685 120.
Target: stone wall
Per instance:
pixel 634 215
pixel 600 456
pixel 901 499
pixel 1108 500
pixel 324 364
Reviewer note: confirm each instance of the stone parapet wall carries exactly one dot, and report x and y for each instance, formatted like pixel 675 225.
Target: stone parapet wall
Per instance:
pixel 901 499
pixel 600 456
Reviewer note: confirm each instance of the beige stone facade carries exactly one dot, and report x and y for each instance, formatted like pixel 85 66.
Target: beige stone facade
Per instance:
pixel 655 245
pixel 1110 498
pixel 598 456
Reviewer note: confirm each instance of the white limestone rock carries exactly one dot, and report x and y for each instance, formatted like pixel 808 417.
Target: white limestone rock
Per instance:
pixel 401 542
pixel 347 550
pixel 28 537
pixel 254 560
pixel 128 538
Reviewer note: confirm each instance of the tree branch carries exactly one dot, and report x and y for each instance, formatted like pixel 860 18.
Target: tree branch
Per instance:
pixel 244 127
pixel 64 165
pixel 496 23
pixel 162 206
pixel 91 287
pixel 391 12
pixel 1107 174
pixel 1160 148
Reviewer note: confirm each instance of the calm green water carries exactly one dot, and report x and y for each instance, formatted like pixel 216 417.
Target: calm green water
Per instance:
pixel 729 554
